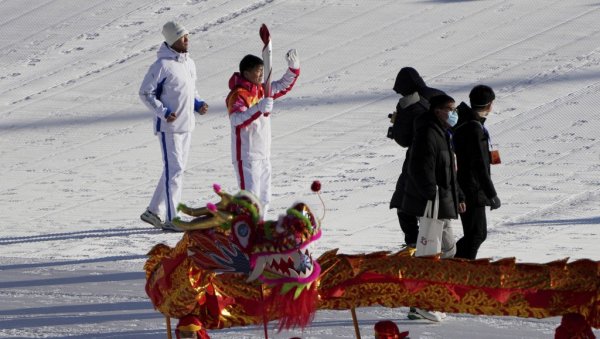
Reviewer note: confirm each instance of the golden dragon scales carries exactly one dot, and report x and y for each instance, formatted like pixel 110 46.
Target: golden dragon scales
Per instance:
pixel 231 268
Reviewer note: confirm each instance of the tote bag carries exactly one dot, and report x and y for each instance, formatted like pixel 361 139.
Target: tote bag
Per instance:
pixel 429 241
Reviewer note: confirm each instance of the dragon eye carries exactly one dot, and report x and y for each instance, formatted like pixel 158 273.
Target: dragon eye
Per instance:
pixel 242 233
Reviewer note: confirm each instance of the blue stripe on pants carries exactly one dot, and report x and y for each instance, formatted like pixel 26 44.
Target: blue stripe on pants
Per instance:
pixel 166 161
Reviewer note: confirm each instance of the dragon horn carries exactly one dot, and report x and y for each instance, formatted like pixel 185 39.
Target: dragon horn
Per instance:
pixel 225 197
pixel 223 217
pixel 194 212
pixel 203 211
pixel 216 219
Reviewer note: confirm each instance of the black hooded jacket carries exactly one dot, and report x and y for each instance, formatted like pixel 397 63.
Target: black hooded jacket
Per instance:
pixel 415 102
pixel 415 94
pixel 405 129
pixel 431 164
pixel 471 144
pixel 405 117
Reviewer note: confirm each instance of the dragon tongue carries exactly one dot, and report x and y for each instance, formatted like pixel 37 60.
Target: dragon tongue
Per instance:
pixel 258 269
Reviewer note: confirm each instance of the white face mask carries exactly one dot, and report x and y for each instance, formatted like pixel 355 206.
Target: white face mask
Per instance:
pixel 452 118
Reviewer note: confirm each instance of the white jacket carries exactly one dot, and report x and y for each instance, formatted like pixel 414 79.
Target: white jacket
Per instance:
pixel 250 128
pixel 170 86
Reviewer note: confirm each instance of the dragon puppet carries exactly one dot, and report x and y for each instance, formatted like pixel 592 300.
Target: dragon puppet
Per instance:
pixel 231 268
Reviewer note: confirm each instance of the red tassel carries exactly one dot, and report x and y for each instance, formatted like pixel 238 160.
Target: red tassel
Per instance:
pixel 292 313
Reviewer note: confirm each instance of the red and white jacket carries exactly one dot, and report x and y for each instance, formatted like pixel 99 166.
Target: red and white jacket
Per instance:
pixel 250 128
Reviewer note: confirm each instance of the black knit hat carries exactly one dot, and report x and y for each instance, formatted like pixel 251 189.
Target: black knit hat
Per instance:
pixel 481 96
pixel 439 101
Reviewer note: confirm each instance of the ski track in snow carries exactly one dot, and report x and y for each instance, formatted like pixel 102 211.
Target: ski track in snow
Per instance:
pixel 80 141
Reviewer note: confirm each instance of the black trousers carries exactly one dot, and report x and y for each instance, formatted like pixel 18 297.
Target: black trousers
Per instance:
pixel 410 226
pixel 474 225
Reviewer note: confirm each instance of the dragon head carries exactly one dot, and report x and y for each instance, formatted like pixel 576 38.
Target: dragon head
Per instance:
pixel 279 251
pixel 231 236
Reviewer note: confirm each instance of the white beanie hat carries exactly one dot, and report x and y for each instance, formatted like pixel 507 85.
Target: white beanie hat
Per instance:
pixel 173 31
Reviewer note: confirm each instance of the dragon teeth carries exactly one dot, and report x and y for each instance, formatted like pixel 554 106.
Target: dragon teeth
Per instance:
pixel 261 262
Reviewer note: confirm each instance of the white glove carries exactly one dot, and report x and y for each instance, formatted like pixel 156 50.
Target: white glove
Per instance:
pixel 293 59
pixel 265 105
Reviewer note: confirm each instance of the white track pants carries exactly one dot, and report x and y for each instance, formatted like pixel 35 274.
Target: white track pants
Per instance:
pixel 175 148
pixel 255 176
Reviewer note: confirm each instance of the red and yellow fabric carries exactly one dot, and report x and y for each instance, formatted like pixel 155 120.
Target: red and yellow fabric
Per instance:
pixel 503 287
pixel 175 286
pixel 191 324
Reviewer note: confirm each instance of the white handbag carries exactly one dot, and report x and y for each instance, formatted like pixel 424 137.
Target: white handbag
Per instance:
pixel 429 241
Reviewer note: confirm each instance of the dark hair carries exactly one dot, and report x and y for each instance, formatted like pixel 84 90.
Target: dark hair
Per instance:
pixel 481 96
pixel 249 62
pixel 439 101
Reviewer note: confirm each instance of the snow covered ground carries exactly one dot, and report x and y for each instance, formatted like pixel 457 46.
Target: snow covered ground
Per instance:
pixel 79 161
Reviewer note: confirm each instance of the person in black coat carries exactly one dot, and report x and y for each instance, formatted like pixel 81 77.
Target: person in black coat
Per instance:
pixel 432 166
pixel 472 147
pixel 414 101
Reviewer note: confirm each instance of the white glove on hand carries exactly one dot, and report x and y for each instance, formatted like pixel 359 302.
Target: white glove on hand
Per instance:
pixel 265 105
pixel 293 59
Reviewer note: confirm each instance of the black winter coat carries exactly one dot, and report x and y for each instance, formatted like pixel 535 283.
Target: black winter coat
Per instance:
pixel 406 128
pixel 471 144
pixel 405 118
pixel 431 164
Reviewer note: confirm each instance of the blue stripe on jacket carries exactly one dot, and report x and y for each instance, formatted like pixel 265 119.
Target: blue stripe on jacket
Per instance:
pixel 159 90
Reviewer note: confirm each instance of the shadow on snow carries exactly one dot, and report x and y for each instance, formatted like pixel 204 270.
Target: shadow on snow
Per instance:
pixel 581 221
pixel 71 262
pixel 99 233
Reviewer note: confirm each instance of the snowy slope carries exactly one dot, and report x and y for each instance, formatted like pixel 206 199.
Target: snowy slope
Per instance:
pixel 79 160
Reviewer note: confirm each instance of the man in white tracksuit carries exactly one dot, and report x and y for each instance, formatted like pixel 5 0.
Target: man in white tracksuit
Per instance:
pixel 169 90
pixel 249 114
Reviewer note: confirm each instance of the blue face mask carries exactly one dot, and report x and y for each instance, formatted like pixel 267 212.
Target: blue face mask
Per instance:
pixel 452 118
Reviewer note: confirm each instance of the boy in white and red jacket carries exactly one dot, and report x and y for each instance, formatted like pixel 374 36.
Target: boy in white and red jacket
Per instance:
pixel 249 114
pixel 169 91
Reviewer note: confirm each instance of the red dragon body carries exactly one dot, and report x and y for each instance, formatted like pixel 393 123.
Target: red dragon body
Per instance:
pixel 233 269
